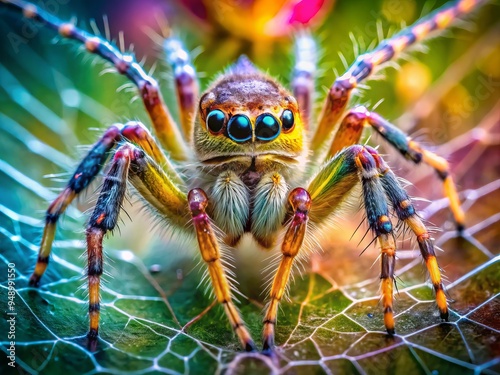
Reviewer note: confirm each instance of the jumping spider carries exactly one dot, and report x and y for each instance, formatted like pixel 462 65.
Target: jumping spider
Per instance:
pixel 248 145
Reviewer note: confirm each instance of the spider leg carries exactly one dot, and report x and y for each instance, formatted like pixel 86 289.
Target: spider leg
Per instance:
pixel 104 219
pixel 209 248
pixel 86 172
pixel 165 127
pixel 350 131
pixel 300 202
pixel 129 162
pixel 186 83
pixel 405 211
pixel 303 75
pixel 333 184
pixel 388 49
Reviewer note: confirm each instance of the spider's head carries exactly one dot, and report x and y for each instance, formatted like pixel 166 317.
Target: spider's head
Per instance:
pixel 246 114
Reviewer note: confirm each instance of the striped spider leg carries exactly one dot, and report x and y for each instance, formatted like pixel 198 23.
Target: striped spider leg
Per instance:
pixel 349 131
pixel 166 130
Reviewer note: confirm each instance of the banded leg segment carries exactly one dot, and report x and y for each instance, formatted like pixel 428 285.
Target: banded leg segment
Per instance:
pixel 332 184
pixel 186 83
pixel 413 151
pixel 84 174
pixel 303 75
pixel 388 264
pixel 300 201
pixel 130 163
pixel 165 127
pixel 104 219
pixel 405 211
pixel 209 248
pixel 410 149
pixel 138 134
pixel 389 49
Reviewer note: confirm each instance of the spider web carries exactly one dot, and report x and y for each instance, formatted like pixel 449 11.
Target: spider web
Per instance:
pixel 155 319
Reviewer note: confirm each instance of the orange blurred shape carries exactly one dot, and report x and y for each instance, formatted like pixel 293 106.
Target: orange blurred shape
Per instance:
pixel 412 80
pixel 256 20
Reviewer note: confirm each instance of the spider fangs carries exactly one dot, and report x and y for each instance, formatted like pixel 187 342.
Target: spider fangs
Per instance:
pixel 253 150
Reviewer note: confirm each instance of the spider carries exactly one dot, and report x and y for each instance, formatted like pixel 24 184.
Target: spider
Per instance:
pixel 252 162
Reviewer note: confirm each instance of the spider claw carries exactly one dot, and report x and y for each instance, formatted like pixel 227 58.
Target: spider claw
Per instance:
pixel 92 340
pixel 250 347
pixel 34 281
pixel 93 334
pixel 269 351
pixel 391 332
pixel 444 316
pixel 267 345
pixel 272 354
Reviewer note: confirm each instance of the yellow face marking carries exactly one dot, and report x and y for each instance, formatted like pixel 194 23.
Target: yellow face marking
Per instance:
pixel 249 94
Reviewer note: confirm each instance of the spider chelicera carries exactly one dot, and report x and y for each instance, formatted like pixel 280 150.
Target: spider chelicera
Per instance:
pixel 251 164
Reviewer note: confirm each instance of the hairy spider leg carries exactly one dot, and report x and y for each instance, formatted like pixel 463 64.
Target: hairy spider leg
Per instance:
pixel 332 185
pixel 186 83
pixel 401 203
pixel 303 75
pixel 300 201
pixel 138 134
pixel 387 266
pixel 210 252
pixel 350 131
pixel 129 162
pixel 104 219
pixel 86 172
pixel 365 64
pixel 165 127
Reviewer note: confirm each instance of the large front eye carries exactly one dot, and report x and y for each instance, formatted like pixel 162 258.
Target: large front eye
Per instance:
pixel 287 119
pixel 239 128
pixel 215 121
pixel 266 127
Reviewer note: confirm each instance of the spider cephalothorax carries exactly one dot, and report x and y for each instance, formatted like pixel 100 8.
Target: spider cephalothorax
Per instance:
pixel 246 114
pixel 257 166
pixel 248 135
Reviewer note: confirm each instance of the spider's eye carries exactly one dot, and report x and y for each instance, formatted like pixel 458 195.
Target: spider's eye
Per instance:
pixel 239 128
pixel 266 127
pixel 215 121
pixel 287 119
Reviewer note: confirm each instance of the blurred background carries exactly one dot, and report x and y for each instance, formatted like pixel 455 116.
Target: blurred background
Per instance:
pixel 55 102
